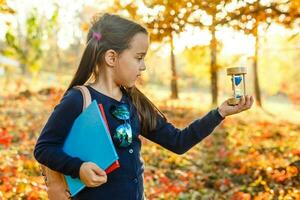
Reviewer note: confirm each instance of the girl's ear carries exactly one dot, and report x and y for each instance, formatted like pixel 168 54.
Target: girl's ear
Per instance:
pixel 110 57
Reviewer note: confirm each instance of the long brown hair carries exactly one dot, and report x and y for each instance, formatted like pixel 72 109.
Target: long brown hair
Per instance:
pixel 116 33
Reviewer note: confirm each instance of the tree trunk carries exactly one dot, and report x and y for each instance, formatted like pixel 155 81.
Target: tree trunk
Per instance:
pixel 58 66
pixel 255 70
pixel 22 57
pixel 174 88
pixel 213 66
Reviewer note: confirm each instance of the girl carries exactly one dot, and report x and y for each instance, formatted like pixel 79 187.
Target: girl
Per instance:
pixel 111 63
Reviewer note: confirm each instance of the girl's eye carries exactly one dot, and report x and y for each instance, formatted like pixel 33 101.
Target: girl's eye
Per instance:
pixel 140 58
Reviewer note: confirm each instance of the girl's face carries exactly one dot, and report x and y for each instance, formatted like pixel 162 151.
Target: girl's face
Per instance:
pixel 131 61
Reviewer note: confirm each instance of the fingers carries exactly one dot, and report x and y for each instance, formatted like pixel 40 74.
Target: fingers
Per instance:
pixel 251 100
pixel 241 104
pixel 246 102
pixel 98 180
pixel 92 175
pixel 98 170
pixel 99 176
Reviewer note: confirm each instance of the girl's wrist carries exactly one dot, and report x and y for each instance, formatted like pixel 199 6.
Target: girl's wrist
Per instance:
pixel 221 112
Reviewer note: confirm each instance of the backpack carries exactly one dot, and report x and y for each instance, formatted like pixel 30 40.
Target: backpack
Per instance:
pixel 57 188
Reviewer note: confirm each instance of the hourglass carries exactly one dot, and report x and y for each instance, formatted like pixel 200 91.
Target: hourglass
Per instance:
pixel 238 84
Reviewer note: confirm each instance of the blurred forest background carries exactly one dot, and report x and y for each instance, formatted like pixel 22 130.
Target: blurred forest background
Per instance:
pixel 254 155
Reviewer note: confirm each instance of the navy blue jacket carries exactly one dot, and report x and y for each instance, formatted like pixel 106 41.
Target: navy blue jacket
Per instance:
pixel 126 182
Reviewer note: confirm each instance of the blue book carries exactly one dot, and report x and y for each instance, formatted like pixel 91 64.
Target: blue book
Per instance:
pixel 89 140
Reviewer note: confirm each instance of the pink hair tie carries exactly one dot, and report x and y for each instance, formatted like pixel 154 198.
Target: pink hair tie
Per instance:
pixel 97 36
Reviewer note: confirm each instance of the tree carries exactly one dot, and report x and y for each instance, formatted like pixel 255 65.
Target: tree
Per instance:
pixel 129 8
pixel 29 48
pixel 165 20
pixel 212 15
pixel 258 14
pixel 4 8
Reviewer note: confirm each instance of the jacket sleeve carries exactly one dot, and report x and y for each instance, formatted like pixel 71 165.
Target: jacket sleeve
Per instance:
pixel 48 149
pixel 180 141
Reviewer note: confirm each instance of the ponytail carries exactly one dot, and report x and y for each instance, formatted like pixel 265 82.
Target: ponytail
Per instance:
pixel 87 65
pixel 148 112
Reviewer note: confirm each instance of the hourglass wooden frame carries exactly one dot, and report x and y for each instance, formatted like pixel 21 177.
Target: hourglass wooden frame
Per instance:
pixel 236 71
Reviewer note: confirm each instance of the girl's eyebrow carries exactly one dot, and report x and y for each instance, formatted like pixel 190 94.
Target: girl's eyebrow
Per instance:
pixel 141 53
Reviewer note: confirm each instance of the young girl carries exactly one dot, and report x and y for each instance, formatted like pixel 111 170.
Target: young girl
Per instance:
pixel 111 63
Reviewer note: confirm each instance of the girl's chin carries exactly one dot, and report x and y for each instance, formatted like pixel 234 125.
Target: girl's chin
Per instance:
pixel 129 85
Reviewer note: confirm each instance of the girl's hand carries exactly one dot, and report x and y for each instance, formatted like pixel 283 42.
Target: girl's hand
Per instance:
pixel 92 175
pixel 245 103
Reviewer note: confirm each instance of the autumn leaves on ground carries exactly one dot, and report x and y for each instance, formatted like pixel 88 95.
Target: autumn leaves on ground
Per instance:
pixel 253 157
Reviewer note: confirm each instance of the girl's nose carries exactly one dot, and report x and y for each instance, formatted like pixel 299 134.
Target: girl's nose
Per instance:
pixel 143 67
